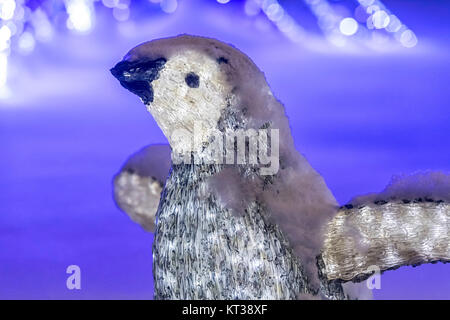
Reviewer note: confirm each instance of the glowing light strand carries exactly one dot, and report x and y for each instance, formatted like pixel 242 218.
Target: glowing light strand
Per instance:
pixel 276 13
pixel 381 18
pixel 21 28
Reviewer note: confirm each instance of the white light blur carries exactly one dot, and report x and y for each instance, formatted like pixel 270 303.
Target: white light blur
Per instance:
pixel 42 26
pixel 296 33
pixel 394 24
pixel 121 10
pixel 372 9
pixel 348 26
pixel 7 8
pixel 26 43
pixel 337 39
pixel 12 27
pixel 408 39
pixel 19 13
pixel 110 3
pixel 19 27
pixel 275 12
pixel 252 7
pixel 121 13
pixel 5 33
pixel 380 19
pixel 169 6
pixel 223 1
pixel 3 69
pixel 327 18
pixel 80 15
pixel 5 36
pixel 284 22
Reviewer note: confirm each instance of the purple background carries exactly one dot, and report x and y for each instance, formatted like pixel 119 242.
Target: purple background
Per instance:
pixel 359 117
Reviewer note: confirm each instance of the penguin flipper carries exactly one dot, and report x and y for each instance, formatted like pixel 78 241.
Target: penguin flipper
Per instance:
pixel 138 185
pixel 406 224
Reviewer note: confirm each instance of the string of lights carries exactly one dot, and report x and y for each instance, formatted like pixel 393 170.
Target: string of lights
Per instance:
pixel 23 24
pixel 279 16
pixel 372 15
pixel 380 18
pixel 328 21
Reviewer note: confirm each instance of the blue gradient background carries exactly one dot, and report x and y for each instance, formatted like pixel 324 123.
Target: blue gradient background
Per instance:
pixel 359 118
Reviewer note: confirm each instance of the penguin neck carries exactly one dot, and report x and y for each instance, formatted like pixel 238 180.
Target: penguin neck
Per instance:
pixel 254 148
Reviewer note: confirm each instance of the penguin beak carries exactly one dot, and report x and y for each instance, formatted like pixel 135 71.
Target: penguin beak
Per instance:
pixel 136 76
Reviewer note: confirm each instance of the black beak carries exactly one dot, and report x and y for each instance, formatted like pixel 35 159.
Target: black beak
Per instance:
pixel 137 76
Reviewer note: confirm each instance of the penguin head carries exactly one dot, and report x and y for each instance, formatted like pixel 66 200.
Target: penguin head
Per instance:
pixel 185 81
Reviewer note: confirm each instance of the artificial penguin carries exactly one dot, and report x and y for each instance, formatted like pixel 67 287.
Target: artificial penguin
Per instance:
pixel 242 214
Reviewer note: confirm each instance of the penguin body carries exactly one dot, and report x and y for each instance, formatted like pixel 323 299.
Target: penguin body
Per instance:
pixel 232 230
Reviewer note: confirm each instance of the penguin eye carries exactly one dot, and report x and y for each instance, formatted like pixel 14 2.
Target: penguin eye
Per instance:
pixel 192 80
pixel 222 60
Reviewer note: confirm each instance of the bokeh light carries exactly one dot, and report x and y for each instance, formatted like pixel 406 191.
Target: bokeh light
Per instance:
pixel 380 19
pixel 121 13
pixel 394 24
pixel 3 68
pixel 169 6
pixel 7 8
pixel 24 24
pixel 26 43
pixel 80 15
pixel 408 39
pixel 252 7
pixel 110 3
pixel 5 36
pixel 348 26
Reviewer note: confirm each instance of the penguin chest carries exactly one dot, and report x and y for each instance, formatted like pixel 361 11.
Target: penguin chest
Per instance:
pixel 203 251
